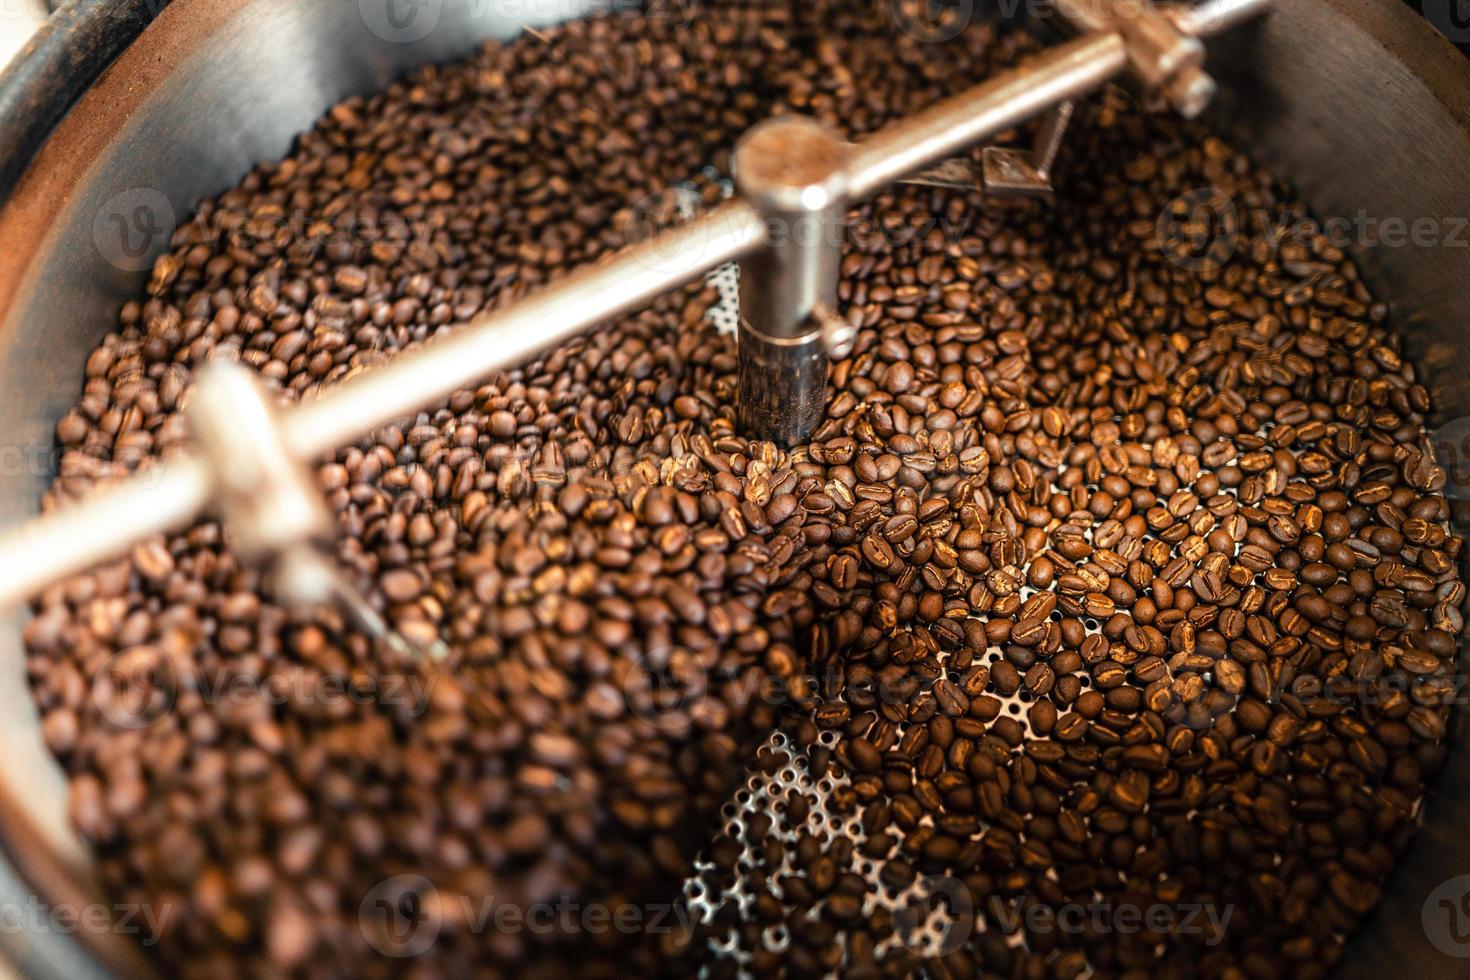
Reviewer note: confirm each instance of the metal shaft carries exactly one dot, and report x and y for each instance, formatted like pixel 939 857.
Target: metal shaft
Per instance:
pixel 169 495
pixel 505 338
pixel 173 493
pixel 1214 16
pixel 960 122
pixel 107 522
pixel 264 491
pixel 794 172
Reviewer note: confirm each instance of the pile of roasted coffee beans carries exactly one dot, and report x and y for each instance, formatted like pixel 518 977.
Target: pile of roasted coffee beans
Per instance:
pixel 1176 502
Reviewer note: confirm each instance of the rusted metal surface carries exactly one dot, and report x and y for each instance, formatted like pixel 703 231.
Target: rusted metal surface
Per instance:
pixel 55 67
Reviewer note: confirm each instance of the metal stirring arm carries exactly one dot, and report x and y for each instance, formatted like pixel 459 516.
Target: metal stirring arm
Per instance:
pixel 1165 60
pixel 272 506
pixel 1003 171
pixel 795 181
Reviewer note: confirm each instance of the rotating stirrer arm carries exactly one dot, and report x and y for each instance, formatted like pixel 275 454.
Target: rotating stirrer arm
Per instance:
pixel 795 181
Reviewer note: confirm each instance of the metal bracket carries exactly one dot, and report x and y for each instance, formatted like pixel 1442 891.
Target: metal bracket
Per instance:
pixel 1010 172
pixel 1004 171
pixel 270 503
pixel 1165 52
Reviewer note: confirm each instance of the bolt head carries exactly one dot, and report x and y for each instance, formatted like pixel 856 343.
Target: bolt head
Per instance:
pixel 1190 92
pixel 791 164
pixel 838 335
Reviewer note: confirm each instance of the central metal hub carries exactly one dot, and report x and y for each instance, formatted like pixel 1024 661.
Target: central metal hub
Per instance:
pixel 794 172
pixel 791 163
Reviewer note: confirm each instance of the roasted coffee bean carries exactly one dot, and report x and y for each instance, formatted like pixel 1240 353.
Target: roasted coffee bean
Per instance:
pixel 1113 565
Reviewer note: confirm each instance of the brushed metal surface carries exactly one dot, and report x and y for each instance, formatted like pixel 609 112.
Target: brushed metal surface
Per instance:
pixel 1370 122
pixel 207 91
pixel 1357 101
pixel 1367 111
